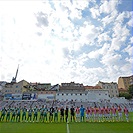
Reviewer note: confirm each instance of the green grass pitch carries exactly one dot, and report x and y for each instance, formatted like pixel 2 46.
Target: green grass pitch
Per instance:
pixel 72 127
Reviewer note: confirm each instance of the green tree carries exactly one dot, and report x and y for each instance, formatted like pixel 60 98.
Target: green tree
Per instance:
pixel 130 90
pixel 126 95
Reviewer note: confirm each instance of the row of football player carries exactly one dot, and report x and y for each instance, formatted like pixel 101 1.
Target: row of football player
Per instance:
pixel 76 114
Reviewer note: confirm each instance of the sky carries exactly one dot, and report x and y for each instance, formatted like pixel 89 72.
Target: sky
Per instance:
pixel 59 41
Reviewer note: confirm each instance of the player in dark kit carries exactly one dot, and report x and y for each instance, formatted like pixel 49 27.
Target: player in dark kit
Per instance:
pixel 72 111
pixel 62 114
pixel 56 114
pixel 51 111
pixel 66 114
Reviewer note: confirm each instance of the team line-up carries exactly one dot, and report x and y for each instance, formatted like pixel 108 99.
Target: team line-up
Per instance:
pixel 73 114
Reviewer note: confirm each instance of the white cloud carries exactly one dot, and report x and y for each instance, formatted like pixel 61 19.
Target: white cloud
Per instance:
pixel 95 12
pixel 110 18
pixel 108 6
pixel 81 4
pixel 54 42
pixel 131 39
pixel 130 22
pixel 120 31
pixel 111 59
pixel 94 54
pixel 101 51
pixel 104 37
pixel 129 50
pixel 88 33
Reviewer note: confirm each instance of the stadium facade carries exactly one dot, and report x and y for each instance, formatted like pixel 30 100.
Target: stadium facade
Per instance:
pixel 72 91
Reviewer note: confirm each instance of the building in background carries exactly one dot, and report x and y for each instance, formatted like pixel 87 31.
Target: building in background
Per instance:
pixel 13 88
pixel 111 87
pixel 71 87
pixel 75 96
pixel 41 86
pixel 96 93
pixel 48 95
pixel 124 83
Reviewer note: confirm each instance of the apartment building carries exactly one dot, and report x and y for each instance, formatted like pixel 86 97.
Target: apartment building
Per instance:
pixel 111 87
pixel 124 83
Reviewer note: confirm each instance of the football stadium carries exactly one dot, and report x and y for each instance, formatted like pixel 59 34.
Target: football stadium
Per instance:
pixel 66 108
pixel 65 117
pixel 75 66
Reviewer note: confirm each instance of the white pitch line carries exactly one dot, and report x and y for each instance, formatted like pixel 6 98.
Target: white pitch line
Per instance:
pixel 68 131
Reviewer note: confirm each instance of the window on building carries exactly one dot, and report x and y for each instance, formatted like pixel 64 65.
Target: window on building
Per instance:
pixel 62 94
pixel 80 94
pixel 16 86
